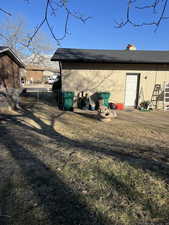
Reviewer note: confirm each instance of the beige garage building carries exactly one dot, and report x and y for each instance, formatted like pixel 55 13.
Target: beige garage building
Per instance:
pixel 129 75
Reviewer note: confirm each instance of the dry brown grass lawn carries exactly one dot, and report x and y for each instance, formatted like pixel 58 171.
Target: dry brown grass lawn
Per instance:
pixel 64 168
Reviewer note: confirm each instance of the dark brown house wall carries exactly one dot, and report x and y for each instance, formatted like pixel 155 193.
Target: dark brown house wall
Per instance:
pixel 9 71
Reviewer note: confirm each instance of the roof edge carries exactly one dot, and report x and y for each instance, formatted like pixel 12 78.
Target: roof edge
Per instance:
pixel 12 54
pixel 118 50
pixel 108 62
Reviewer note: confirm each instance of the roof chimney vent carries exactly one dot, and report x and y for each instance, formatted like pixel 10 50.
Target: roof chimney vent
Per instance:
pixel 131 47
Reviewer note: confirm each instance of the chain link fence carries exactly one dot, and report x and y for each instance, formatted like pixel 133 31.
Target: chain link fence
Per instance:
pixel 11 97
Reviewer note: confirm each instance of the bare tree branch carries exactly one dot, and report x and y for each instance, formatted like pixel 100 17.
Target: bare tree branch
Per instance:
pixel 6 12
pixel 53 6
pixel 161 5
pixel 153 5
pixel 14 34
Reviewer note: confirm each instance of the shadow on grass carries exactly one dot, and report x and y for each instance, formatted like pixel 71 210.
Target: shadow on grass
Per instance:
pixel 132 195
pixel 60 203
pixel 92 115
pixel 119 150
pixel 13 209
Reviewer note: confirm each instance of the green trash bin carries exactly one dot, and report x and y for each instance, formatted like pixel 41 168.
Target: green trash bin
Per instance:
pixel 105 96
pixel 68 100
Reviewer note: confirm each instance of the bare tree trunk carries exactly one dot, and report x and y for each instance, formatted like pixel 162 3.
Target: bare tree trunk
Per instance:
pixel 10 96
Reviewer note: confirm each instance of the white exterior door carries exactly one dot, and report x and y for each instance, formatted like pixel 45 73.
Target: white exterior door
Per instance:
pixel 131 89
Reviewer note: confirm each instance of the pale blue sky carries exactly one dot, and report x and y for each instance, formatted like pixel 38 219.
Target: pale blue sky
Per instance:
pixel 99 32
